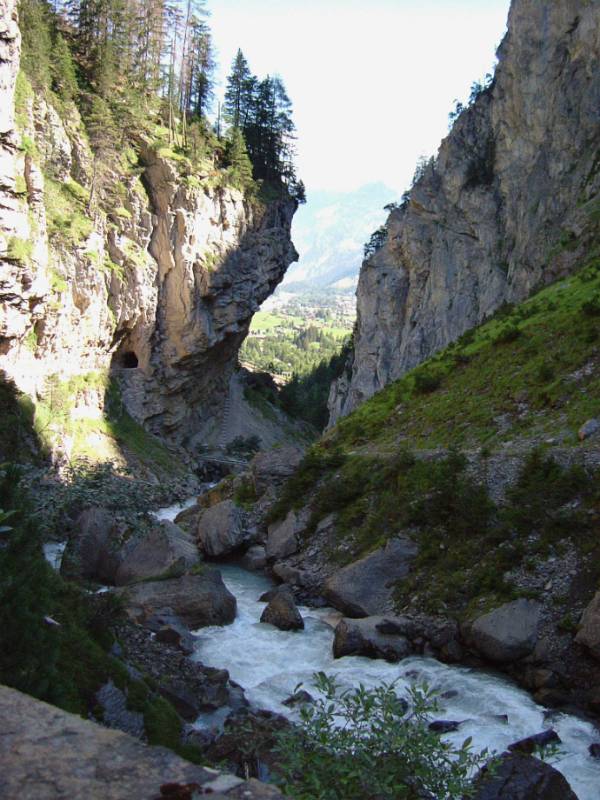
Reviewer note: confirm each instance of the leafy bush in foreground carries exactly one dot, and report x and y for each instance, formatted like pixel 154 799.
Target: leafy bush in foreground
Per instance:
pixel 360 743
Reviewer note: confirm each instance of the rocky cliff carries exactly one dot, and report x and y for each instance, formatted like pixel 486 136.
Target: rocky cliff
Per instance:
pixel 157 288
pixel 510 202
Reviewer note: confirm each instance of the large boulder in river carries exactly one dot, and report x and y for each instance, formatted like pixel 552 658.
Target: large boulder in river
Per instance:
pixel 283 536
pixel 520 777
pixel 589 632
pixel 93 551
pixel 366 586
pixel 362 637
pixel 221 529
pixel 165 550
pixel 282 612
pixel 103 549
pixel 507 633
pixel 198 600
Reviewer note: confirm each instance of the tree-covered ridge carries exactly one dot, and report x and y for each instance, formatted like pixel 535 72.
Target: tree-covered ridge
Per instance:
pixel 147 68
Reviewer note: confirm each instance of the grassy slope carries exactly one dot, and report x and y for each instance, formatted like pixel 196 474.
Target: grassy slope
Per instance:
pixel 530 372
pixel 528 375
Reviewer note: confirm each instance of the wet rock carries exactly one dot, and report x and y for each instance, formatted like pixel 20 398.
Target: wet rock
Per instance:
pixel 588 429
pixel 366 586
pixel 168 628
pixel 445 725
pixel 183 700
pixel 299 698
pixel 199 600
pixel 267 596
pixel 255 558
pixel 361 637
pixel 507 633
pixel 522 777
pixel 221 529
pixel 281 612
pixel 164 550
pixel 283 536
pixel 532 743
pixel 594 750
pixel 589 631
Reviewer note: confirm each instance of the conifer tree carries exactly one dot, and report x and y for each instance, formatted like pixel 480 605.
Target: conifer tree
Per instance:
pixel 240 165
pixel 238 96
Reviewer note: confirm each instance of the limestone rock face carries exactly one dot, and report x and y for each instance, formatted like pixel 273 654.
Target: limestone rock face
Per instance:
pixel 366 586
pixel 510 202
pixel 159 291
pixel 509 632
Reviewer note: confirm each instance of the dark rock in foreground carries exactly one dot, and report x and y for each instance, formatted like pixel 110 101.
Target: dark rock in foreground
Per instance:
pixel 522 777
pixel 531 743
pixel 48 754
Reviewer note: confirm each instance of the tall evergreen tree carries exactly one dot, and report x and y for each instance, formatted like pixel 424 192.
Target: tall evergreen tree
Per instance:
pixel 238 96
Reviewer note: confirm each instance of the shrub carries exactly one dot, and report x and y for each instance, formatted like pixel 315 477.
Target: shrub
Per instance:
pixel 427 381
pixel 591 308
pixel 508 333
pixel 363 742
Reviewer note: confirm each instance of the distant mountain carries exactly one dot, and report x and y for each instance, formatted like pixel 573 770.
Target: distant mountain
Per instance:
pixel 329 233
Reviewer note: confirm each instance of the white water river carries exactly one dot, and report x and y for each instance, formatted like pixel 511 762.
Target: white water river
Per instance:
pixel 269 663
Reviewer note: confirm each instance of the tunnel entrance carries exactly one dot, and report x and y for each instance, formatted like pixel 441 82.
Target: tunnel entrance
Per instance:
pixel 128 360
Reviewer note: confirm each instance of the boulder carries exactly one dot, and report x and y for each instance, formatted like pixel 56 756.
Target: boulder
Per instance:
pixel 522 777
pixel 281 612
pixel 283 536
pixel 221 529
pixel 594 750
pixel 199 600
pixel 292 575
pixel 301 697
pixel 164 550
pixel 47 753
pixel 589 631
pixel 93 549
pixel 255 558
pixel 589 428
pixel 188 518
pixel 361 637
pixel 169 629
pixel 366 586
pixel 507 633
pixel 107 550
pixel 274 467
pixel 531 743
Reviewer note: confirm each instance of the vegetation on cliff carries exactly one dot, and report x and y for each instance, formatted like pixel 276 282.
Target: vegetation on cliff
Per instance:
pixel 415 456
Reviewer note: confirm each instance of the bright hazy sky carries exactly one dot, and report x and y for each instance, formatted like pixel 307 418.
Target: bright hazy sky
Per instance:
pixel 371 81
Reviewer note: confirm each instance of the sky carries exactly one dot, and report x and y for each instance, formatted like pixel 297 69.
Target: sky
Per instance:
pixel 371 81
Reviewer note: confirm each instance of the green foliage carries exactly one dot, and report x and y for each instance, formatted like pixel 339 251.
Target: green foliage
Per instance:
pixel 243 447
pixel 64 76
pixel 362 742
pixel 35 22
pixel 66 215
pixel 19 249
pixel 240 166
pixel 376 242
pixel 306 396
pixel 427 381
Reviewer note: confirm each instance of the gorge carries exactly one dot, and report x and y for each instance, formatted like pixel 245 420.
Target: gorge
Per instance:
pixel 442 531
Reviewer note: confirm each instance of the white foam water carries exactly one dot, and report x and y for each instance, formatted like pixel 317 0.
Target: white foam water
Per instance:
pixel 269 663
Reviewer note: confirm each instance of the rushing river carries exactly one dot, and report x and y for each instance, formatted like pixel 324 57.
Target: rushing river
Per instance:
pixel 269 663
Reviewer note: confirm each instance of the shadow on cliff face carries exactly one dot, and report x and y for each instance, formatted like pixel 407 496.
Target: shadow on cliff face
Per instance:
pixel 18 439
